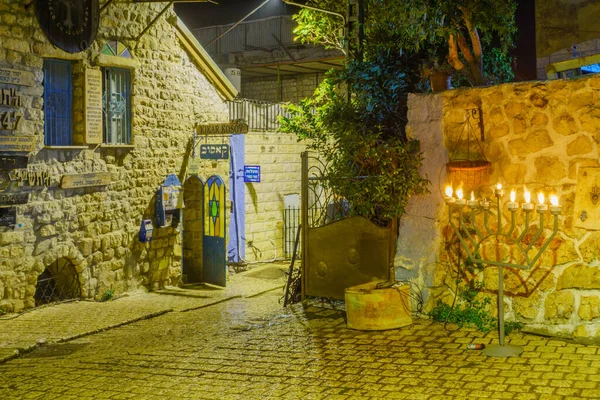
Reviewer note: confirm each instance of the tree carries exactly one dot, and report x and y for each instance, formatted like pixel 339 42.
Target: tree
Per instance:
pixel 372 163
pixel 320 28
pixel 458 33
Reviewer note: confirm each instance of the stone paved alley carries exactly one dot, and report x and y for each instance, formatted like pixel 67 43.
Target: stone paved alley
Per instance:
pixel 240 344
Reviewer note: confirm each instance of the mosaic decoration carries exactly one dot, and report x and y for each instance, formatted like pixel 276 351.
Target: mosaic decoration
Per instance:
pixel 214 203
pixel 116 48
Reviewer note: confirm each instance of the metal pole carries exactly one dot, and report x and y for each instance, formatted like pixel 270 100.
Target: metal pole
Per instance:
pixel 304 224
pixel 501 305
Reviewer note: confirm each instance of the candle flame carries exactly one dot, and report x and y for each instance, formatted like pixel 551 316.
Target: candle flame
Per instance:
pixel 449 191
pixel 527 196
pixel 541 198
pixel 513 196
pixel 459 193
pixel 554 200
pixel 499 186
pixel 472 196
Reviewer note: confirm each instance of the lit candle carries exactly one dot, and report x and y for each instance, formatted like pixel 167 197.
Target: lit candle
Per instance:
pixel 512 205
pixel 460 201
pixel 541 207
pixel 449 199
pixel 555 208
pixel 527 206
pixel 472 203
pixel 485 204
pixel 499 192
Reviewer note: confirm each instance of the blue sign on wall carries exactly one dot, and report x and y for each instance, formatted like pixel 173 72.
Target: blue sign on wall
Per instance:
pixel 251 173
pixel 214 151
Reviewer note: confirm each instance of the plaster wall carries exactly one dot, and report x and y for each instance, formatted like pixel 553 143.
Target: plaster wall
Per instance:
pixel 538 135
pixel 278 155
pixel 96 228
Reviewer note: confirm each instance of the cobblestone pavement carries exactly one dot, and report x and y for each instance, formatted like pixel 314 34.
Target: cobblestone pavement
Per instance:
pixel 56 323
pixel 250 348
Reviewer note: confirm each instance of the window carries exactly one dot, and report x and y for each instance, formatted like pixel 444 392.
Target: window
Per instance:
pixel 116 105
pixel 58 95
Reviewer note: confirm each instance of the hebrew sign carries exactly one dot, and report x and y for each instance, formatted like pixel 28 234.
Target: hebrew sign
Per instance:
pixel 85 180
pixel 214 151
pixel 18 143
pixel 93 106
pixel 12 162
pixel 10 199
pixel 16 77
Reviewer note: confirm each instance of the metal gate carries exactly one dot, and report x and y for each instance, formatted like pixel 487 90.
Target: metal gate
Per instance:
pixel 338 251
pixel 213 244
pixel 58 282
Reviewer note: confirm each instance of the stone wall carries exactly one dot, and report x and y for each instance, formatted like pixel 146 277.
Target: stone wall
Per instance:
pixel 96 228
pixel 278 155
pixel 536 134
pixel 291 89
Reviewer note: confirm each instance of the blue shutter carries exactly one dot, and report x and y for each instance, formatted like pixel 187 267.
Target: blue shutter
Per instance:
pixel 58 94
pixel 116 105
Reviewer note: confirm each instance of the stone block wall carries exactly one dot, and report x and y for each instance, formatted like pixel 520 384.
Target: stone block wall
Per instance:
pixel 96 228
pixel 538 135
pixel 278 155
pixel 288 89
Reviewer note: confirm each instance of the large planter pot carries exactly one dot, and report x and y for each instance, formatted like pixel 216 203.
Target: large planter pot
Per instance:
pixel 371 309
pixel 440 81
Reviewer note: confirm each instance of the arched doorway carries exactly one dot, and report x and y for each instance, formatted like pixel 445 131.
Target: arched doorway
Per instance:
pixel 213 246
pixel 192 229
pixel 58 282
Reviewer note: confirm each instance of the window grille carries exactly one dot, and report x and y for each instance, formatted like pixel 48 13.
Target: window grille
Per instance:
pixel 116 106
pixel 58 95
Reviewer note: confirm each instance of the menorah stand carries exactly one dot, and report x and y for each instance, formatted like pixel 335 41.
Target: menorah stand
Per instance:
pixel 471 244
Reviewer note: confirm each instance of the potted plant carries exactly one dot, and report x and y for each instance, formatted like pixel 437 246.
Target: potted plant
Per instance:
pixel 438 72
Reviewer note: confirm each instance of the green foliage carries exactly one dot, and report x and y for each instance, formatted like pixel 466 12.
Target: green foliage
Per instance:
pixel 424 28
pixel 321 28
pixel 107 295
pixel 471 310
pixel 372 163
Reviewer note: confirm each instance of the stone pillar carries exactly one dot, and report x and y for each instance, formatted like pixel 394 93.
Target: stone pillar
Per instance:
pixel 419 237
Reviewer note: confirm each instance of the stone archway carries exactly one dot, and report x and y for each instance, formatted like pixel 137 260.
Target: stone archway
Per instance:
pixel 58 282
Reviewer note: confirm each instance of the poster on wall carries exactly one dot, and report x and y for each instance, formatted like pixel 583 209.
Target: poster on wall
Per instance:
pixel 93 106
pixel 71 25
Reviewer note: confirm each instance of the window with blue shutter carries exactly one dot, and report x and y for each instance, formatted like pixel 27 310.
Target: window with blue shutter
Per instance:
pixel 116 106
pixel 58 95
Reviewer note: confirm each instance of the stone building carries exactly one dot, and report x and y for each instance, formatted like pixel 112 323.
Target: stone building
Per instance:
pixel 75 190
pixel 265 62
pixel 567 37
pixel 542 136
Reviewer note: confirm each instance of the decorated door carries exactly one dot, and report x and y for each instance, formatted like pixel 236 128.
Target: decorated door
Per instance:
pixel 214 251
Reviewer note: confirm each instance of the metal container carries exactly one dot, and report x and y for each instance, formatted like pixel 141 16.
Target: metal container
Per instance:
pixel 371 309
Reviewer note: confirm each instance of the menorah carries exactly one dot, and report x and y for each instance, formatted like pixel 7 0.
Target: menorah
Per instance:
pixel 471 238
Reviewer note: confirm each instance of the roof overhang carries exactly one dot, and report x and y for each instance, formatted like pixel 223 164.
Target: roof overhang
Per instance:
pixel 310 66
pixel 206 64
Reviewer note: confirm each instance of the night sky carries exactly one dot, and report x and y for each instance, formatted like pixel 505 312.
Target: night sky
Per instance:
pixel 196 15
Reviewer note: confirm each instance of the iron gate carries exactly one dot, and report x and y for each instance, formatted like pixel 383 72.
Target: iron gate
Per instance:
pixel 338 251
pixel 58 282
